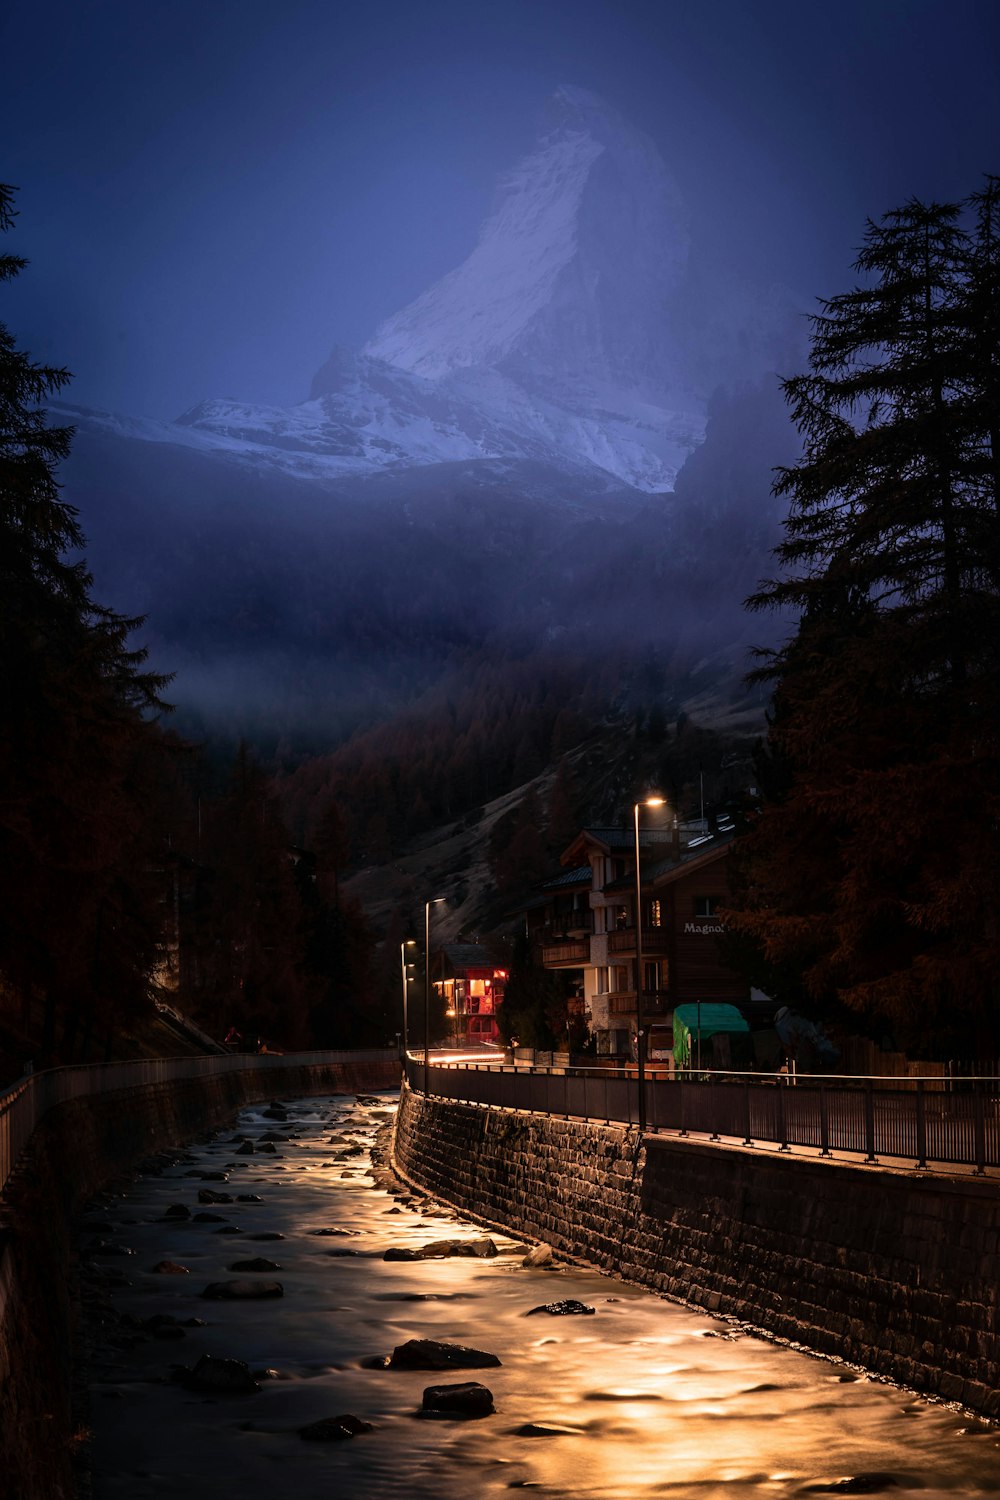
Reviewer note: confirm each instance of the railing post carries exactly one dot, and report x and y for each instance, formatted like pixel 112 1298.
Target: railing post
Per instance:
pixel 979 1122
pixel 782 1126
pixel 824 1125
pixel 747 1138
pixel 870 1122
pixel 682 1086
pixel 921 1124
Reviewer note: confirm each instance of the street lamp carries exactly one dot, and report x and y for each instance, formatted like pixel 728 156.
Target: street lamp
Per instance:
pixel 409 943
pixel 651 801
pixel 435 901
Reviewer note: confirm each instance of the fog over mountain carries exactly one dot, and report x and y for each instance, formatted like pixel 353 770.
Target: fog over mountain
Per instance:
pixel 504 460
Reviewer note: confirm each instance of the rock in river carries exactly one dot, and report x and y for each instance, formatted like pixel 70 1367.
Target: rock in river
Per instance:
pixel 260 1263
pixel 561 1309
pixel 442 1249
pixel 334 1429
pixel 429 1354
pixel 218 1376
pixel 242 1291
pixel 467 1399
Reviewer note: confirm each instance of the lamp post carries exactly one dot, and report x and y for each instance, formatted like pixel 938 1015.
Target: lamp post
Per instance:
pixel 651 801
pixel 435 901
pixel 409 943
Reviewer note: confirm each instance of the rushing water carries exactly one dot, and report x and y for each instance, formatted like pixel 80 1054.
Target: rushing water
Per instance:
pixel 643 1398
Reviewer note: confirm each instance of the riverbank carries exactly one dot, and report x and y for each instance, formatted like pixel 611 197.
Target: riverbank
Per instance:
pixel 80 1146
pixel 893 1271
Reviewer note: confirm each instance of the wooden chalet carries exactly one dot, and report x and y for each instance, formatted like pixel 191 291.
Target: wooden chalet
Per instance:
pixel 585 920
pixel 471 988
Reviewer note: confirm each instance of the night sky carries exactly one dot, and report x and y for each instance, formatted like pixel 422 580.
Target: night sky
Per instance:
pixel 214 194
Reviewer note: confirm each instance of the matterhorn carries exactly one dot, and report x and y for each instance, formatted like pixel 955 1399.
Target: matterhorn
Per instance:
pixel 580 334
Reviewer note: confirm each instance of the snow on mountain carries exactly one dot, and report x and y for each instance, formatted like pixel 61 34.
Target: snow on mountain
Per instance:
pixel 575 334
pixel 574 267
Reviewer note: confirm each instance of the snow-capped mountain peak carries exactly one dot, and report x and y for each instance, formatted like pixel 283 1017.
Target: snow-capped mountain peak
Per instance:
pixel 575 334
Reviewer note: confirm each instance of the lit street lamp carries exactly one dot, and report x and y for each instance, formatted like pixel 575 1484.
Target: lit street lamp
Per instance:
pixel 435 901
pixel 651 801
pixel 409 943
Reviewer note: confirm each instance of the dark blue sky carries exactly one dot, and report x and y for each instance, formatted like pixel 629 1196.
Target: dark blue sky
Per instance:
pixel 214 193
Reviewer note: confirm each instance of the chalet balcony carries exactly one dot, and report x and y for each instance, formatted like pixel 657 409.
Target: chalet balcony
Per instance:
pixel 622 1003
pixel 571 954
pixel 654 941
pixel 572 924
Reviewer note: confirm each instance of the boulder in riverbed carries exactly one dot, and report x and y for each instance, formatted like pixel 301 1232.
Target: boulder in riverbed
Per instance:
pixel 429 1354
pixel 567 1309
pixel 335 1429
pixel 467 1399
pixel 483 1249
pixel 221 1377
pixel 260 1263
pixel 242 1291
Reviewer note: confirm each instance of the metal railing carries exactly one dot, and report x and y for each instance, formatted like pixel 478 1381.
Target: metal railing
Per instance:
pixel 24 1104
pixel 867 1118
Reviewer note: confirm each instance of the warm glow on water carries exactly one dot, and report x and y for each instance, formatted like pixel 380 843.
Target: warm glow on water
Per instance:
pixel 642 1399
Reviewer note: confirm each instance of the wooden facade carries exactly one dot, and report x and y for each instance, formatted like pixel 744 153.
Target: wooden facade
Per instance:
pixel 684 886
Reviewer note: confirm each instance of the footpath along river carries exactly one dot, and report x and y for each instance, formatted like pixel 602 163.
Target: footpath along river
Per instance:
pixel 640 1398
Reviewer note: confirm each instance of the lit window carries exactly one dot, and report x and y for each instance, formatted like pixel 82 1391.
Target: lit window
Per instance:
pixel 655 914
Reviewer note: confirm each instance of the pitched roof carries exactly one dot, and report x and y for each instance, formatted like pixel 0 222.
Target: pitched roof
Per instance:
pixel 618 838
pixel 581 875
pixel 467 956
pixel 667 869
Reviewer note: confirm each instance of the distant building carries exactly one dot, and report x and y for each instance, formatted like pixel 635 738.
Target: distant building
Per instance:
pixel 472 989
pixel 584 920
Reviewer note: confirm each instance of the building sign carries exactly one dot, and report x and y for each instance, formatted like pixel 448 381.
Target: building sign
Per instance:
pixel 704 927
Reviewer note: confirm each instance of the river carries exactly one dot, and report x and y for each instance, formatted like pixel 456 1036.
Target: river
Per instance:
pixel 641 1398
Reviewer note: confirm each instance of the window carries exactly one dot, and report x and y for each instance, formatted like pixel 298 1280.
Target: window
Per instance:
pixel 655 913
pixel 706 906
pixel 602 981
pixel 651 978
pixel 619 979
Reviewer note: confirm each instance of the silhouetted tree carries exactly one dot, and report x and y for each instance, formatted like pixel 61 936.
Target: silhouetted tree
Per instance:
pixel 873 867
pixel 80 835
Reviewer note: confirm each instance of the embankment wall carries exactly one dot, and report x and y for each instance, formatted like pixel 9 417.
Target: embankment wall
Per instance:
pixel 894 1271
pixel 79 1147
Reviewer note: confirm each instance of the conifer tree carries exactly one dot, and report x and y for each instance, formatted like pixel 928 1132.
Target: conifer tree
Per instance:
pixel 78 917
pixel 873 865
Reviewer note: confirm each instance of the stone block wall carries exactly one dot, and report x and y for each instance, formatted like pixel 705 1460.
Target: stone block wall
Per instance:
pixel 894 1271
pixel 79 1147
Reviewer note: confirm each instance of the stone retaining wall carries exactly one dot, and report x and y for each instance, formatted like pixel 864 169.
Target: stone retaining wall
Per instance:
pixel 894 1271
pixel 78 1147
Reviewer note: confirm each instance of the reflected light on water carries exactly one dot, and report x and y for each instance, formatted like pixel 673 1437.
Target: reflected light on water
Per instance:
pixel 643 1398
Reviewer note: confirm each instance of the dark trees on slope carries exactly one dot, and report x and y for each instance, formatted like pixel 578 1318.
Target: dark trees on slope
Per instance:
pixel 873 867
pixel 79 917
